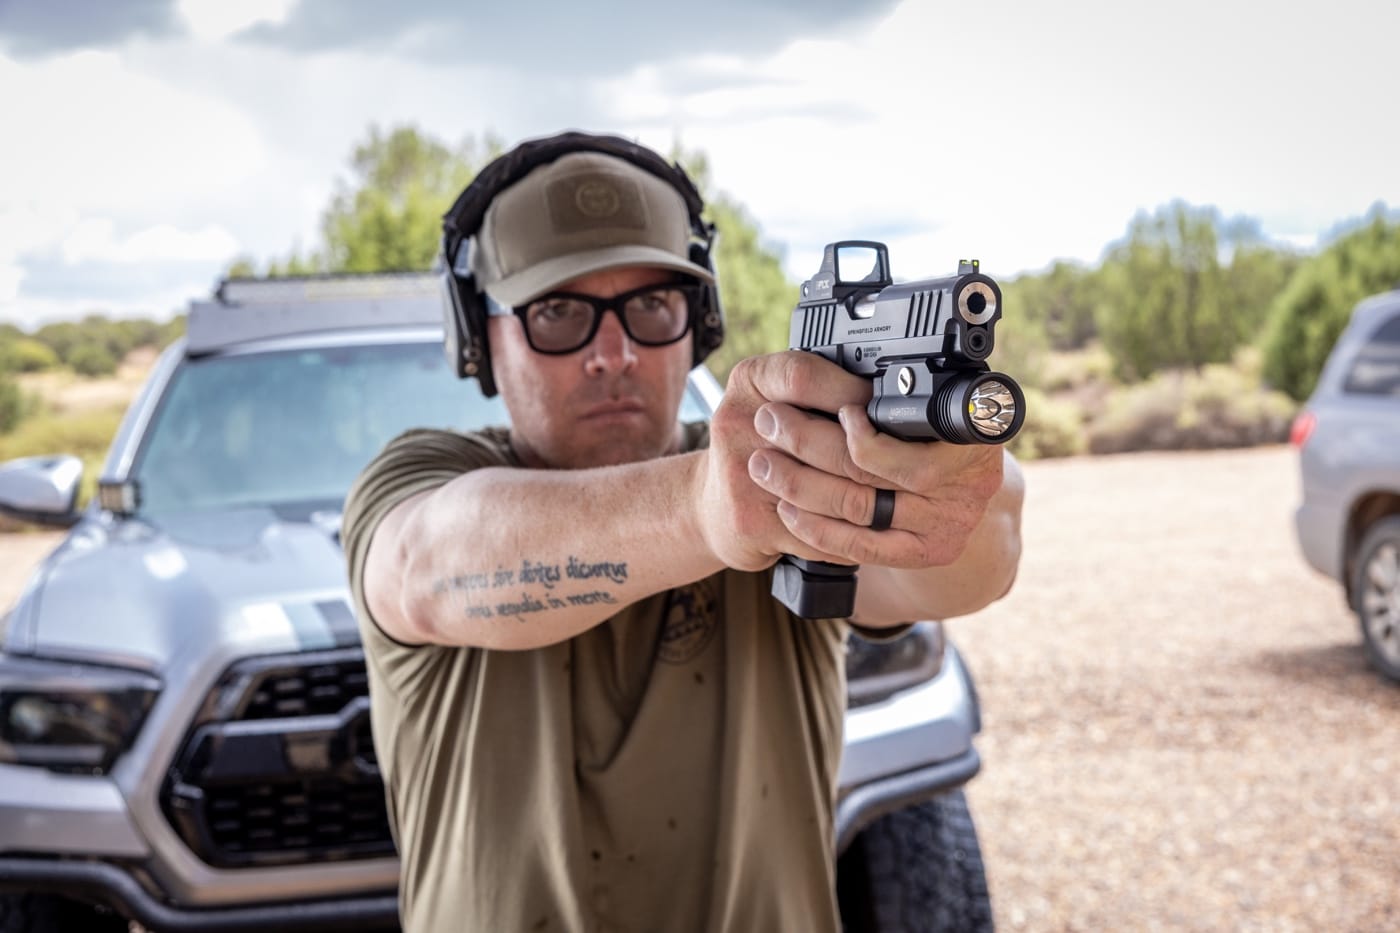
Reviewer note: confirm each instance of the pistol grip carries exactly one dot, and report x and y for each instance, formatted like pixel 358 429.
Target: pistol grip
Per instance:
pixel 815 589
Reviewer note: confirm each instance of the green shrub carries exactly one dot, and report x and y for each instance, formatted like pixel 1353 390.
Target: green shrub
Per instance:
pixel 11 404
pixel 85 435
pixel 1053 428
pixel 25 355
pixel 61 337
pixel 1075 369
pixel 1315 307
pixel 1060 299
pixel 92 359
pixel 1219 407
pixel 1022 349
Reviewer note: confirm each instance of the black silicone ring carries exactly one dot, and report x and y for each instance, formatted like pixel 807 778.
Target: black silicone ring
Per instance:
pixel 884 509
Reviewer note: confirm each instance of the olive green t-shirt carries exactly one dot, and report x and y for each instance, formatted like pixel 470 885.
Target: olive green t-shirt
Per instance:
pixel 672 769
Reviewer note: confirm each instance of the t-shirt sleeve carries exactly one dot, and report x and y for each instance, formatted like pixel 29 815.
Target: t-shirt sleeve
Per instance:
pixel 413 462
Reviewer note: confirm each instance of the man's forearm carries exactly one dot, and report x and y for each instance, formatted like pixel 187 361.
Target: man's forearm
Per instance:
pixel 516 558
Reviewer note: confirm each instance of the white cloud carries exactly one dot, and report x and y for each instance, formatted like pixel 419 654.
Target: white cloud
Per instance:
pixel 24 228
pixel 93 148
pixel 32 227
pixel 96 240
pixel 11 276
pixel 1026 132
pixel 101 138
pixel 1016 132
pixel 213 20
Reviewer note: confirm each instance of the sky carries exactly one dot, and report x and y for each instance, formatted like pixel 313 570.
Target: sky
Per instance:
pixel 146 144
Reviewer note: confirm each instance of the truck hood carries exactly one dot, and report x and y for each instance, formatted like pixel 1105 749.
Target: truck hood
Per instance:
pixel 148 593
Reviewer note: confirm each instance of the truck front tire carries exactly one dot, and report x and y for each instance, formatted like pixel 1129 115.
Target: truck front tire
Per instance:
pixel 917 870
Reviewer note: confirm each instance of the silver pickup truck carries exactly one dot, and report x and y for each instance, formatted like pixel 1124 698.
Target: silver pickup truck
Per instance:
pixel 184 719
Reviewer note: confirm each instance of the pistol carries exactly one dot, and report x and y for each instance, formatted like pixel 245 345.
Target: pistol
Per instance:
pixel 925 344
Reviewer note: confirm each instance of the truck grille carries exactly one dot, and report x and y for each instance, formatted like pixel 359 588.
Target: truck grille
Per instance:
pixel 321 690
pixel 279 766
pixel 294 816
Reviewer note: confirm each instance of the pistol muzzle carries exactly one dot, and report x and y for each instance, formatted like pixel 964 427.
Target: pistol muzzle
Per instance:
pixel 977 302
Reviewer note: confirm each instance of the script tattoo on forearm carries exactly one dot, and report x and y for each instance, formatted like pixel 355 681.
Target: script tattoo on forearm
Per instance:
pixel 478 589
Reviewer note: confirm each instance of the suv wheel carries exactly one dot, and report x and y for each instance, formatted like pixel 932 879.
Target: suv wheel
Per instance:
pixel 42 913
pixel 1377 589
pixel 917 870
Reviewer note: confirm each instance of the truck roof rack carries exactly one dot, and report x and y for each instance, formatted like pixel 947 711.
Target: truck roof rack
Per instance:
pixel 244 310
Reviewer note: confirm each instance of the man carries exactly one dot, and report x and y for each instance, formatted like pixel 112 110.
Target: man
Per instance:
pixel 590 713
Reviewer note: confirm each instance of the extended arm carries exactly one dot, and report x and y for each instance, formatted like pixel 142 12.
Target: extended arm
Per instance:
pixel 519 558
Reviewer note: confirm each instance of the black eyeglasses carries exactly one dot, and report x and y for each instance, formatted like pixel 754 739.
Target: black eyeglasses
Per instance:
pixel 562 322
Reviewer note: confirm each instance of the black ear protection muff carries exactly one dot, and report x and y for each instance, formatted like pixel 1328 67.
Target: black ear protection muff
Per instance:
pixel 464 305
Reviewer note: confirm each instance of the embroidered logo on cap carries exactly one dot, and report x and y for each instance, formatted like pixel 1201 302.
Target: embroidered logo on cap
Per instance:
pixel 595 201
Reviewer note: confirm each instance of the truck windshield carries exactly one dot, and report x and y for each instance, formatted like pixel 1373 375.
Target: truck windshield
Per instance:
pixel 296 426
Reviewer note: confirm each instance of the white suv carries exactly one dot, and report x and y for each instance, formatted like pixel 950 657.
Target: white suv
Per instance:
pixel 1348 437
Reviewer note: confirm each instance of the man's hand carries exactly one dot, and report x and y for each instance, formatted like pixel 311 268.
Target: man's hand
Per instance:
pixel 783 479
pixel 737 511
pixel 825 476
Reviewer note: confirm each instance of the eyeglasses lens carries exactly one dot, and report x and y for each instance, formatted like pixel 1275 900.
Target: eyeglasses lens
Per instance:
pixel 562 324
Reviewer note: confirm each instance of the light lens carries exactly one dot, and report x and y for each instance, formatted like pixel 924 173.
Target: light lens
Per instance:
pixel 992 408
pixel 120 498
pixel 68 717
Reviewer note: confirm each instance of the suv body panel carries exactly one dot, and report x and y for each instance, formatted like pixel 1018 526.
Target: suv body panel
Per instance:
pixel 1353 451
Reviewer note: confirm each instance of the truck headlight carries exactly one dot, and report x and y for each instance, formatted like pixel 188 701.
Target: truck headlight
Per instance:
pixel 73 718
pixel 877 670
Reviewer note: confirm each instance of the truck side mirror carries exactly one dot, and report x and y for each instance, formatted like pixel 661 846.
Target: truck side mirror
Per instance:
pixel 41 489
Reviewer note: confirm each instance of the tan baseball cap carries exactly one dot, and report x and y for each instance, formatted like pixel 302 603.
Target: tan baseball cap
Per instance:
pixel 584 212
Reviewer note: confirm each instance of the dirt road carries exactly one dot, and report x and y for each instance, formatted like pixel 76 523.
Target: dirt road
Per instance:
pixel 1180 730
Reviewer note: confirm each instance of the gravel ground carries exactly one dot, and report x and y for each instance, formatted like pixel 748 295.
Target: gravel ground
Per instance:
pixel 1181 732
pixel 1180 729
